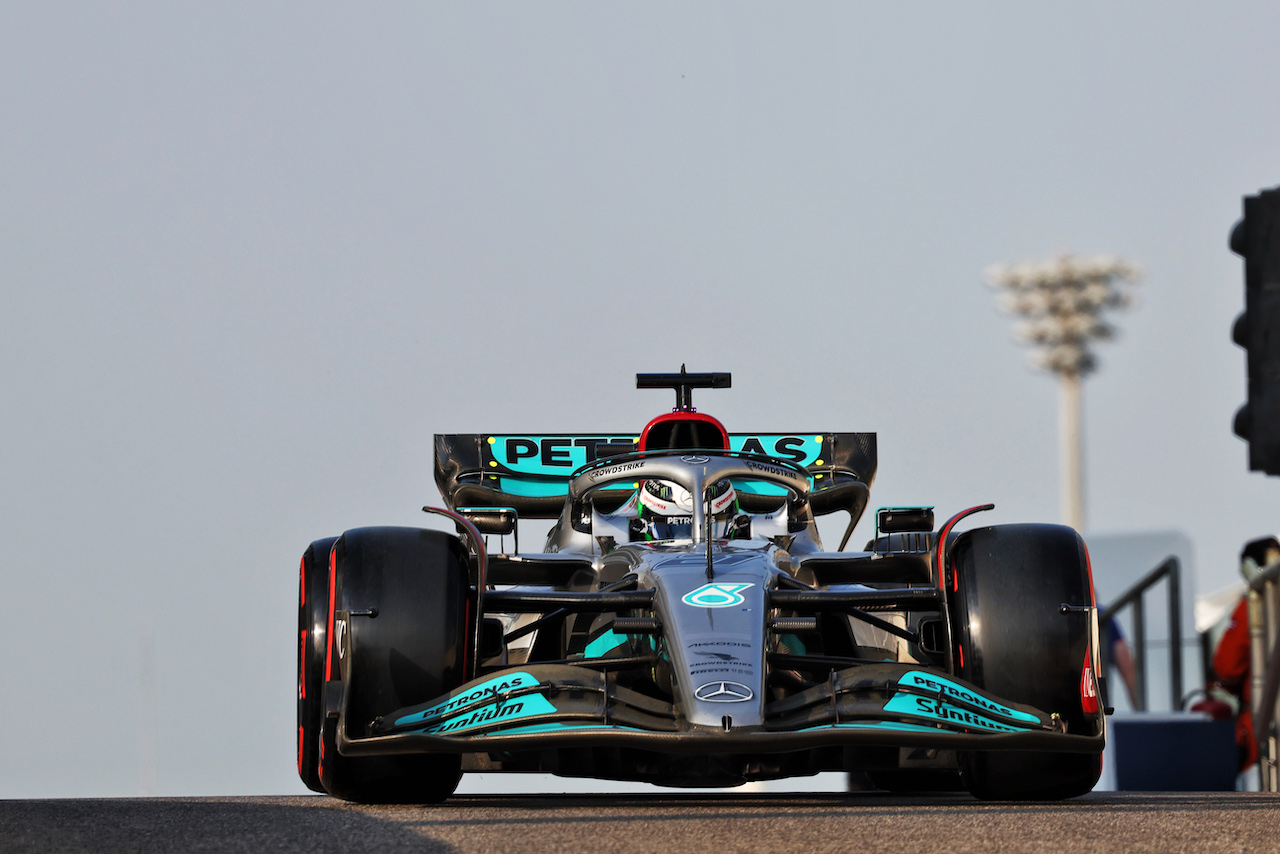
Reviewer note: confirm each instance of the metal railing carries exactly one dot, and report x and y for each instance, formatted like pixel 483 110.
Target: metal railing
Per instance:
pixel 1132 599
pixel 1264 671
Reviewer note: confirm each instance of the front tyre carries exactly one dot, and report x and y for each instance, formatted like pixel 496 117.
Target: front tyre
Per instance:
pixel 414 650
pixel 1013 639
pixel 313 615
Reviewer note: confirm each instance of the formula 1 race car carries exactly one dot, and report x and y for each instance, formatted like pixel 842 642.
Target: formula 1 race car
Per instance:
pixel 684 626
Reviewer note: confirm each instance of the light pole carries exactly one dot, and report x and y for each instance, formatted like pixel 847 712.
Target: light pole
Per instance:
pixel 1061 302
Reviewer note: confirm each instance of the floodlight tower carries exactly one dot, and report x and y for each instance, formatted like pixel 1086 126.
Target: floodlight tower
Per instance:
pixel 1061 303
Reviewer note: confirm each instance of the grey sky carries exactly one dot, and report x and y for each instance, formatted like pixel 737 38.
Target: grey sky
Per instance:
pixel 254 255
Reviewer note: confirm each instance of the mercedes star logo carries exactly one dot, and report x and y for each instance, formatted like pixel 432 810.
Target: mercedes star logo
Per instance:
pixel 695 459
pixel 723 692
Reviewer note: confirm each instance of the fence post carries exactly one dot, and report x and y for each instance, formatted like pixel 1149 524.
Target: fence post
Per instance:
pixel 1140 654
pixel 1264 671
pixel 1174 583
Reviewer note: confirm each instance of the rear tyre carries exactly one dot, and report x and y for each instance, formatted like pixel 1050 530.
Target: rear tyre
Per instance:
pixel 313 615
pixel 414 650
pixel 1014 641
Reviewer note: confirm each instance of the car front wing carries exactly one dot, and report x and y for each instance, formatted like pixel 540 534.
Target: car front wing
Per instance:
pixel 540 706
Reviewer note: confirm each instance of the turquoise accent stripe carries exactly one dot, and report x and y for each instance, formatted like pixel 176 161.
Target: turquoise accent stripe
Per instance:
pixel 804 449
pixel 527 706
pixel 914 706
pixel 533 488
pixel 554 727
pixel 759 487
pixel 945 687
pixel 890 725
pixel 558 455
pixel 607 642
pixel 793 643
pixel 514 708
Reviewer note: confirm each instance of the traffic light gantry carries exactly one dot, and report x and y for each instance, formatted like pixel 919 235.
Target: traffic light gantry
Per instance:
pixel 1256 238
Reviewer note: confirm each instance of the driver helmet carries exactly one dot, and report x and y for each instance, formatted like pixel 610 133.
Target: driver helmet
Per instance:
pixel 666 510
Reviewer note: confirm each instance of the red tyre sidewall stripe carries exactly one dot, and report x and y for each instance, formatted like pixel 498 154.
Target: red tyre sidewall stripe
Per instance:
pixel 302 644
pixel 1088 563
pixel 328 647
pixel 1092 661
pixel 1088 684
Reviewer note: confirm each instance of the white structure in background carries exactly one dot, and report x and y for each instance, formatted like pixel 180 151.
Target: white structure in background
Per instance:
pixel 1061 303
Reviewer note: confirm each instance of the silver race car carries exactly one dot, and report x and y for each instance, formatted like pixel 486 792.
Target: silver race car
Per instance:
pixel 684 626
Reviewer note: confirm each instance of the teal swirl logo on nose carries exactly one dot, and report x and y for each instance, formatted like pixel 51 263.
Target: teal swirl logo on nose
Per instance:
pixel 717 595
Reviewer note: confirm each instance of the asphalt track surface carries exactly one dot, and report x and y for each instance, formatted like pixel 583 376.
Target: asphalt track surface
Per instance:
pixel 666 824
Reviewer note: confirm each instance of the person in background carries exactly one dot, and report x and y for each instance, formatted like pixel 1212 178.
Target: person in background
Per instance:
pixel 1122 660
pixel 1231 658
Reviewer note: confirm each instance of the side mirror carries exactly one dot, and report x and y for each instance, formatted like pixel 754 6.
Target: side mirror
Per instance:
pixel 901 520
pixel 491 520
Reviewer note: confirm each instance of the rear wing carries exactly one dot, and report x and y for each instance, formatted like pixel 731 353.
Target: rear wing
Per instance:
pixel 531 473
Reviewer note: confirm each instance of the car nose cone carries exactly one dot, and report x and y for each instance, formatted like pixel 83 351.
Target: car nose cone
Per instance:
pixel 723 692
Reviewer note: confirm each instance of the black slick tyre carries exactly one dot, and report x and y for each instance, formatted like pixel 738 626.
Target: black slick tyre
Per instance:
pixel 413 650
pixel 313 615
pixel 1013 639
